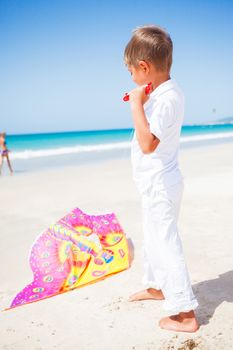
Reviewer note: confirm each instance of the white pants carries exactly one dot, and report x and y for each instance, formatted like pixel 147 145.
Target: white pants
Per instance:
pixel 163 259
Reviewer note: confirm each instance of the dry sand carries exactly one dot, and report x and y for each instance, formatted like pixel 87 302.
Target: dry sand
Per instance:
pixel 99 316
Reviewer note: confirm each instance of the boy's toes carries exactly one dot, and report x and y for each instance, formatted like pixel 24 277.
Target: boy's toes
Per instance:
pixel 147 294
pixel 167 323
pixel 134 297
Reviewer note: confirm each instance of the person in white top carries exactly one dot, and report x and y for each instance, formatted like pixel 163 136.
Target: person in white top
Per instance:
pixel 160 169
pixel 158 118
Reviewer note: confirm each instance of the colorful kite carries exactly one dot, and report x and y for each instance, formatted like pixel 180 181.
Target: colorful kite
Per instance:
pixel 77 250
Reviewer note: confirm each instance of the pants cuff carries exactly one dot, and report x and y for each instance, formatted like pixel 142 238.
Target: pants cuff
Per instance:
pixel 175 307
pixel 150 284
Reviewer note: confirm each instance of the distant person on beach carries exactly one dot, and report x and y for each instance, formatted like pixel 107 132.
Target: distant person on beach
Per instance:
pixel 158 118
pixel 4 153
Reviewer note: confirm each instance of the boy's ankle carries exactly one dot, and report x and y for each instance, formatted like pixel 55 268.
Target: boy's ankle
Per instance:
pixel 187 314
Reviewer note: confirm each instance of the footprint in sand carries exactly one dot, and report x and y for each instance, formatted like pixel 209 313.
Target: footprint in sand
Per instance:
pixel 114 305
pixel 175 343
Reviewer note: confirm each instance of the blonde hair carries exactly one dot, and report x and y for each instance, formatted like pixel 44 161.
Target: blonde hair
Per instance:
pixel 150 43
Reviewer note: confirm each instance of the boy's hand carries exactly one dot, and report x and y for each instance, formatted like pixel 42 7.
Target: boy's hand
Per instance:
pixel 139 96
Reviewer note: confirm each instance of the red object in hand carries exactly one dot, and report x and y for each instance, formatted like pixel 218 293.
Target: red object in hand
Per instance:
pixel 147 91
pixel 126 97
pixel 148 88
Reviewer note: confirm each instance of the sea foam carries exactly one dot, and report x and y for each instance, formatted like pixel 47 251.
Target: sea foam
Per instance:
pixel 27 154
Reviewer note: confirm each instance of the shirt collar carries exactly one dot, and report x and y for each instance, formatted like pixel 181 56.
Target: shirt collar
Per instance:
pixel 165 86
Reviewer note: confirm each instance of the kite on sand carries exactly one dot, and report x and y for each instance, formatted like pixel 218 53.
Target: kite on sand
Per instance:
pixel 77 250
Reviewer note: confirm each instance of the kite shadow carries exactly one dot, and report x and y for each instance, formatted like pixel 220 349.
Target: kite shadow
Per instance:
pixel 131 250
pixel 213 293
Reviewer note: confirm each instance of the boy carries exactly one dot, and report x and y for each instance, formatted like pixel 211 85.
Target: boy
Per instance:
pixel 154 154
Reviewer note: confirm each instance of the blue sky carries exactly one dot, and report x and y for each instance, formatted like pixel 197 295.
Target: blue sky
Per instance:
pixel 61 61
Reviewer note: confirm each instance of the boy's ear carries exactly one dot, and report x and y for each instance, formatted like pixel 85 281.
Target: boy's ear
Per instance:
pixel 144 66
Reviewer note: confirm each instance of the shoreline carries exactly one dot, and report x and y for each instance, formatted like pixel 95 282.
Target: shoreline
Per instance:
pixel 46 163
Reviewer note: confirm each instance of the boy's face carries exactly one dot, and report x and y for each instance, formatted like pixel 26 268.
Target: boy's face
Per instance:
pixel 139 74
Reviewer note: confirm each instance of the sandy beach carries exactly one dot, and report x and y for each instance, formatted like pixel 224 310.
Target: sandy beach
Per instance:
pixel 98 316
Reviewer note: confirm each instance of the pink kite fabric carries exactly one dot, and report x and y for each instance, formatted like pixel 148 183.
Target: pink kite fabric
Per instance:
pixel 77 250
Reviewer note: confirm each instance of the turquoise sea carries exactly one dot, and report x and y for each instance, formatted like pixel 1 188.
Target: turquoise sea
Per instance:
pixel 31 151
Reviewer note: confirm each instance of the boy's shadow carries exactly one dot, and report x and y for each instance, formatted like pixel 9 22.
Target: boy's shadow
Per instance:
pixel 211 294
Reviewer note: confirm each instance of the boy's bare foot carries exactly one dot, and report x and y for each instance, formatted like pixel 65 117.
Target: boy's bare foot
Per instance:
pixel 183 322
pixel 149 293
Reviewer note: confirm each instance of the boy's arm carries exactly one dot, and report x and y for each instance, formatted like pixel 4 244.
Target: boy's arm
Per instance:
pixel 147 141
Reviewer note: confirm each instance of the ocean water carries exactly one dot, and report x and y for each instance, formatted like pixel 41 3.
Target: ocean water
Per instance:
pixel 33 151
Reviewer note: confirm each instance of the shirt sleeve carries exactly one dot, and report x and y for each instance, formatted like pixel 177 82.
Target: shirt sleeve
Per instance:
pixel 161 119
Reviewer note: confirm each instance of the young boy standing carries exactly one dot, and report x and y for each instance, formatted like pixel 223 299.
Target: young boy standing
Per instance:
pixel 158 119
